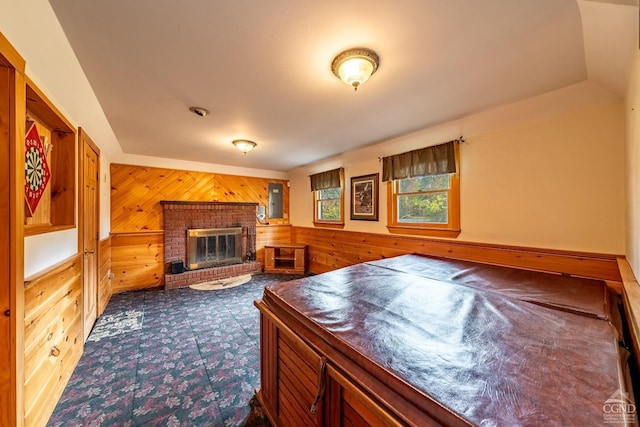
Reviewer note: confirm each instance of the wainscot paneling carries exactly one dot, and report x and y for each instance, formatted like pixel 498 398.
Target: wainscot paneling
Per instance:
pixel 137 260
pixel 271 235
pixel 53 336
pixel 332 249
pixel 105 289
pixel 136 192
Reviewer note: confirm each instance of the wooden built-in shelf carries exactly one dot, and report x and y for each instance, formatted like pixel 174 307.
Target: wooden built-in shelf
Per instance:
pixel 289 259
pixel 56 210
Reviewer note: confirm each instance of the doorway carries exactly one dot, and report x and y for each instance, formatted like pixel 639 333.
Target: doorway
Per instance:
pixel 89 208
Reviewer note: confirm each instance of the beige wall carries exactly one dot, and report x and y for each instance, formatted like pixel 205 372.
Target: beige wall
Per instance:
pixel 632 120
pixel 550 182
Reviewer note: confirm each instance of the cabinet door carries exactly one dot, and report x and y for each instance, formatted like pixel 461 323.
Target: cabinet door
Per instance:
pixel 299 260
pixel 347 405
pixel 269 257
pixel 299 371
pixel 290 372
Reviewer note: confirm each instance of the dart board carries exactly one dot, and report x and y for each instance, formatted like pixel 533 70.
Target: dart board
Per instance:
pixel 36 169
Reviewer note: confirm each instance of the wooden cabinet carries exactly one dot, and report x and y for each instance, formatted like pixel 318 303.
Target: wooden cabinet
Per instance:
pixel 289 259
pixel 302 386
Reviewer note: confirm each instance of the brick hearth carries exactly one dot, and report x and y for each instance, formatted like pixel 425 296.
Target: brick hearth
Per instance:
pixel 179 216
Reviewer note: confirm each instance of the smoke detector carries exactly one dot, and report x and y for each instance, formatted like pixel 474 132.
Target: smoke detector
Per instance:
pixel 199 111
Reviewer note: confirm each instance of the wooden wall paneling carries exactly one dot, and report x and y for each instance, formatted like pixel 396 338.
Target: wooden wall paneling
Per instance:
pixel 52 336
pixel 104 270
pixel 136 193
pixel 137 260
pixel 271 235
pixel 331 249
pixel 232 188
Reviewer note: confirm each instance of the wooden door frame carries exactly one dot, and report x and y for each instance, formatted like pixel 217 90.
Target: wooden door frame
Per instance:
pixel 13 403
pixel 83 138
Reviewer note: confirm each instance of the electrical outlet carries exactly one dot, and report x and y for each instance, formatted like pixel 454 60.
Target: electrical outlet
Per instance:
pixel 110 275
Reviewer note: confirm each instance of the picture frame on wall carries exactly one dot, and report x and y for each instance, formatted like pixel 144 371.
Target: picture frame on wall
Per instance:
pixel 364 197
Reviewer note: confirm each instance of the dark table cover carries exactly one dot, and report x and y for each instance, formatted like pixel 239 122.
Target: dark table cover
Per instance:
pixel 491 357
pixel 585 296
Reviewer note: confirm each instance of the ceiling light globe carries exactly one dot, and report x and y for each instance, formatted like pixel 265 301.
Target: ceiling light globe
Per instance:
pixel 244 145
pixel 355 66
pixel 355 71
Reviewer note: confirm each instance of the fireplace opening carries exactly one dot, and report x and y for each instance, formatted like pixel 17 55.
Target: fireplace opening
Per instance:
pixel 212 247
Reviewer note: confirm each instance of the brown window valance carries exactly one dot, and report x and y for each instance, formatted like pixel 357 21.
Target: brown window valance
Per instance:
pixel 435 160
pixel 324 180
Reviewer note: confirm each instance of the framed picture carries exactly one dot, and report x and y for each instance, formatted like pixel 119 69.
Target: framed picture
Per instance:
pixel 364 197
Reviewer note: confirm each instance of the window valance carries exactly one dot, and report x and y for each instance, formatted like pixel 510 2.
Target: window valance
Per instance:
pixel 324 180
pixel 435 160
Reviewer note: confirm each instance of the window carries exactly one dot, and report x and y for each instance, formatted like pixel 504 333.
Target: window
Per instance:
pixel 329 204
pixel 424 199
pixel 426 205
pixel 328 198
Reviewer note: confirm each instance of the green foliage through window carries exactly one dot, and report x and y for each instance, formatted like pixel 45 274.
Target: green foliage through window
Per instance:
pixel 421 199
pixel 329 204
pixel 423 183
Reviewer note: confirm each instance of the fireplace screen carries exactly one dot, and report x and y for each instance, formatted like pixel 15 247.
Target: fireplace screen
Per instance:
pixel 213 247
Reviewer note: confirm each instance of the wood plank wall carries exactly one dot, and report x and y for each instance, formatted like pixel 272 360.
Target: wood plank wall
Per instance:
pixel 332 249
pixel 136 192
pixel 137 227
pixel 271 235
pixel 137 260
pixel 53 336
pixel 104 269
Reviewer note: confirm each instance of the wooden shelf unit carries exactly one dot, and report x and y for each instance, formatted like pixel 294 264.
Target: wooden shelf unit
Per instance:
pixel 288 259
pixel 56 210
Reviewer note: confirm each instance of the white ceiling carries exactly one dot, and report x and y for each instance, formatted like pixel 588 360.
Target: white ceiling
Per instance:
pixel 263 68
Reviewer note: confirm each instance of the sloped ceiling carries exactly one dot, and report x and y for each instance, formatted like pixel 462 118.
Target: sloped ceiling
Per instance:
pixel 263 69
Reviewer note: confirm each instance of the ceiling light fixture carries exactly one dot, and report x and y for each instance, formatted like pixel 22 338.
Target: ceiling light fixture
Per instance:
pixel 244 145
pixel 355 66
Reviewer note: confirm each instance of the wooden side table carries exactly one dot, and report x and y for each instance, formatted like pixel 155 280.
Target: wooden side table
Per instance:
pixel 288 259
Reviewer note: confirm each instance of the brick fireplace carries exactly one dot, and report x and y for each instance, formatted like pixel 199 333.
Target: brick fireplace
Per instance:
pixel 180 216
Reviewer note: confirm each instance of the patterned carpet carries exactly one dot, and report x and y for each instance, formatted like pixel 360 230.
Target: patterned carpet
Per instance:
pixel 170 358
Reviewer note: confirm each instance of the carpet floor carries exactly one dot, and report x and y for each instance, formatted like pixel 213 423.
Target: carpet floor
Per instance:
pixel 182 357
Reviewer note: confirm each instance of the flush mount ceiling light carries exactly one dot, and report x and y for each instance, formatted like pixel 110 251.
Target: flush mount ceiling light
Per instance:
pixel 355 66
pixel 244 145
